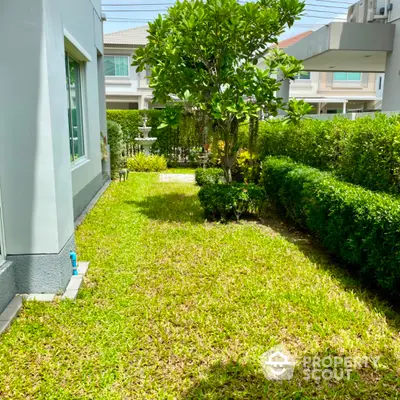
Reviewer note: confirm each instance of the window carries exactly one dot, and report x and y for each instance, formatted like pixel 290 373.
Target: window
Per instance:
pixel 380 83
pixel 303 75
pixel 116 65
pixel 75 116
pixel 347 76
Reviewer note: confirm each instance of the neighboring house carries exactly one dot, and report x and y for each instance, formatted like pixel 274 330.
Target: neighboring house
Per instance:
pixel 52 110
pixel 335 91
pixel 126 89
pixel 367 45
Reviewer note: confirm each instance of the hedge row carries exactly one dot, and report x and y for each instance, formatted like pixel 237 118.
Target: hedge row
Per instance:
pixel 175 144
pixel 114 133
pixel 365 151
pixel 360 226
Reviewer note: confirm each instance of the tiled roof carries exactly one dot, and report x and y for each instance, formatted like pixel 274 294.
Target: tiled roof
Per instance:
pixel 294 39
pixel 134 36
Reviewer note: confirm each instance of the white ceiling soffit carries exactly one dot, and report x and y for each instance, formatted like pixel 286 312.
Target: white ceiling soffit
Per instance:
pixel 345 47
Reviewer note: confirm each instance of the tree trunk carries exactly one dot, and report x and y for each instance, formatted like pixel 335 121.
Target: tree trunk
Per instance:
pixel 227 174
pixel 253 134
pixel 230 131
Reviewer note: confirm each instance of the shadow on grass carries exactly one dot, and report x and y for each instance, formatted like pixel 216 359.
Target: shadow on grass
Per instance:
pixel 229 381
pixel 345 274
pixel 244 381
pixel 171 207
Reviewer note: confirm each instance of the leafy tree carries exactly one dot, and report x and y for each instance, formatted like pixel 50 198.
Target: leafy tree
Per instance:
pixel 206 54
pixel 296 111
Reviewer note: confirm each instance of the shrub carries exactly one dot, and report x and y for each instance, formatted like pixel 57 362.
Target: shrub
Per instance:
pixel 249 166
pixel 223 202
pixel 370 153
pixel 114 135
pixel 143 163
pixel 208 176
pixel 365 151
pixel 312 142
pixel 358 225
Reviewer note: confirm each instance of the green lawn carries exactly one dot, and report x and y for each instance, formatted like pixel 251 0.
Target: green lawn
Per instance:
pixel 180 171
pixel 176 308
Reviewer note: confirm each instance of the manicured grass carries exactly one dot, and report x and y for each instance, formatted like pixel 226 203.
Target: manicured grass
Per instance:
pixel 176 308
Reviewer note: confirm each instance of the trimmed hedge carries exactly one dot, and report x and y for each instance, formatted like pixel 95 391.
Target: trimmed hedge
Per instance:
pixel 360 226
pixel 365 151
pixel 208 176
pixel 223 201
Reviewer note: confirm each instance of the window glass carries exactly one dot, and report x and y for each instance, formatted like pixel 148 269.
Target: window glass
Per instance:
pixel 116 65
pixel 75 118
pixel 303 75
pixel 354 76
pixel 347 76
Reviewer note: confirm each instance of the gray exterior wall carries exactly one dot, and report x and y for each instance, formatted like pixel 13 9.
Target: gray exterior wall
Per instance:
pixel 391 91
pixel 42 192
pixel 83 198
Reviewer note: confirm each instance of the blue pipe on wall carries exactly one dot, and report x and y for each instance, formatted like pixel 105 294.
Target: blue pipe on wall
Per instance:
pixel 72 256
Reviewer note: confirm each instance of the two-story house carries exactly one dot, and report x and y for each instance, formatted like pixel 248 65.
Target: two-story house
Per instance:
pixel 126 89
pixel 336 92
pixel 327 92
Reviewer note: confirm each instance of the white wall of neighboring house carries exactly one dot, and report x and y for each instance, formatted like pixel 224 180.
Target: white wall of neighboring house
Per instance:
pixel 304 87
pixel 328 95
pixel 41 190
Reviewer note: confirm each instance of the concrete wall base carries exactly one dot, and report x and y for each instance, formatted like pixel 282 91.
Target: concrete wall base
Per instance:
pixel 8 286
pixel 43 273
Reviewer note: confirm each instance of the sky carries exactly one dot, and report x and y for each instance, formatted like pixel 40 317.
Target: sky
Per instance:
pixel 125 14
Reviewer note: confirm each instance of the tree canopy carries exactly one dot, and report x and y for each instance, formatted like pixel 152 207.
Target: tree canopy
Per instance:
pixel 207 53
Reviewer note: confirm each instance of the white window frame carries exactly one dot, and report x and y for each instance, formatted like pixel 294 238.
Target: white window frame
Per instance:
pixel 82 81
pixel 117 76
pixel 3 250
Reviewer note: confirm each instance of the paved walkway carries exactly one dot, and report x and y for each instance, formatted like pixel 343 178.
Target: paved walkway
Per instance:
pixel 184 178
